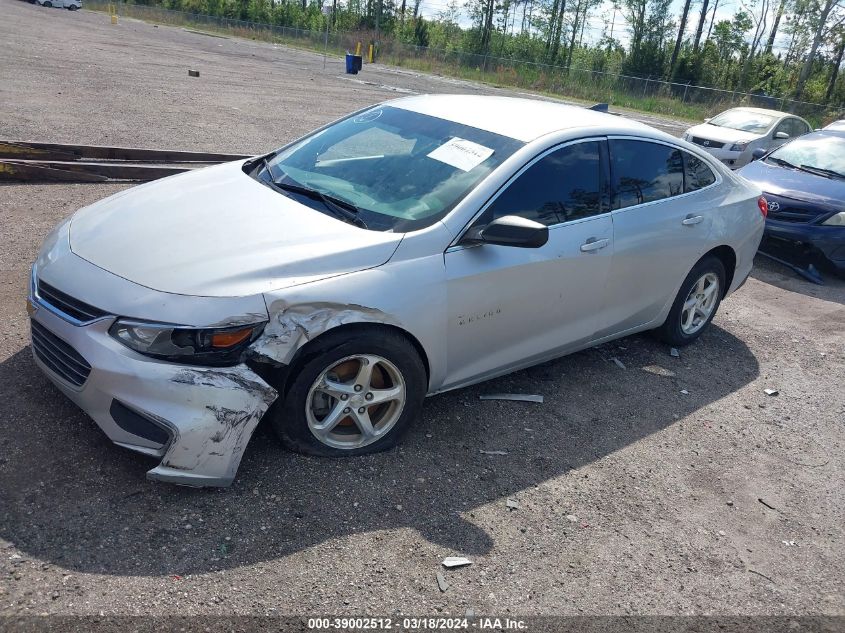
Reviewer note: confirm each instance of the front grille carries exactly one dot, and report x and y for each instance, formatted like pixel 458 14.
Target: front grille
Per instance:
pixel 789 210
pixel 706 142
pixel 59 356
pixel 793 214
pixel 79 310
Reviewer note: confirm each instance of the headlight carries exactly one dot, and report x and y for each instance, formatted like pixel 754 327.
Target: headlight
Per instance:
pixel 195 346
pixel 739 147
pixel 836 220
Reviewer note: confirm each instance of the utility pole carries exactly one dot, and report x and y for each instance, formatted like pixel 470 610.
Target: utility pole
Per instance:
pixel 378 15
pixel 327 9
pixel 612 22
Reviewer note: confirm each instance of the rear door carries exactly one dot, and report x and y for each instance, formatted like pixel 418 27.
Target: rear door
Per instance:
pixel 509 307
pixel 661 221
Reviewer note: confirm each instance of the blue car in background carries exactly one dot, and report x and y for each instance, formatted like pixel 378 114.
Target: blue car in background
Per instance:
pixel 803 182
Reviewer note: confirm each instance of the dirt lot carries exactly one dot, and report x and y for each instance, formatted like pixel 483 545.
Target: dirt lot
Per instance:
pixel 674 486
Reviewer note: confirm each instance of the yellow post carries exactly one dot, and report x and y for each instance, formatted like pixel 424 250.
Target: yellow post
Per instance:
pixel 358 48
pixel 114 18
pixel 370 54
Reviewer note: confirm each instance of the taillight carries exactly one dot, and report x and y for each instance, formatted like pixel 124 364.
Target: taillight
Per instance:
pixel 763 206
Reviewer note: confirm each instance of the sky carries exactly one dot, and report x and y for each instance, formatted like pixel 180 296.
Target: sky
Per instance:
pixel 602 15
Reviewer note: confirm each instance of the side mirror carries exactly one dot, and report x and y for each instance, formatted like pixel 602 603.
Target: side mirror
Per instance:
pixel 510 230
pixel 758 153
pixel 781 135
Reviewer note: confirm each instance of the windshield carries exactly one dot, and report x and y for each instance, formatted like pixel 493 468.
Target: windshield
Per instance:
pixel 744 120
pixel 817 151
pixel 396 169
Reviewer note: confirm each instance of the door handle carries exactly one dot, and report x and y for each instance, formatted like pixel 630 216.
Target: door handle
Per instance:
pixel 594 244
pixel 692 219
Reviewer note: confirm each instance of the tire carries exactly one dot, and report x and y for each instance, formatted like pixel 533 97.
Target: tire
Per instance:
pixel 329 371
pixel 679 329
pixel 47 4
pixel 72 7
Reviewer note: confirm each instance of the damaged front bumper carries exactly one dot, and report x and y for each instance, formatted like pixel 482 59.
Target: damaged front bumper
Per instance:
pixel 198 420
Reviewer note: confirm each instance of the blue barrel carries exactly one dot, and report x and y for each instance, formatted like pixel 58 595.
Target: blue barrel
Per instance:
pixel 350 64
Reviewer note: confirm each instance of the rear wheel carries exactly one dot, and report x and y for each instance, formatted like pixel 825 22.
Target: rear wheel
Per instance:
pixel 696 303
pixel 72 7
pixel 352 394
pixel 47 4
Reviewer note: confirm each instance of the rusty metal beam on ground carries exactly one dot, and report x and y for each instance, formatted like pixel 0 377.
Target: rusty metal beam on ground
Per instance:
pixel 78 171
pixel 54 162
pixel 22 150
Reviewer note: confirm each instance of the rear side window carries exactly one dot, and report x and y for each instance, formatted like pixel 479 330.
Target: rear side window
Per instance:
pixel 562 186
pixel 644 172
pixel 697 174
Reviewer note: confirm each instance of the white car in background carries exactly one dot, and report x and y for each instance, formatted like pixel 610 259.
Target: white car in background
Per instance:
pixel 71 5
pixel 733 135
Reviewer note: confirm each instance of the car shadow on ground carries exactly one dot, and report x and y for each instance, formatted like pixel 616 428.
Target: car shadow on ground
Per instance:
pixel 71 498
pixel 782 277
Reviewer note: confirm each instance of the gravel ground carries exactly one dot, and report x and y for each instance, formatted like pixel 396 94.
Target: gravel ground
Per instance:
pixel 674 486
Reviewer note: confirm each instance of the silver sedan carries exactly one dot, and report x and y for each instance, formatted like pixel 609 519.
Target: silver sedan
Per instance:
pixel 410 248
pixel 734 135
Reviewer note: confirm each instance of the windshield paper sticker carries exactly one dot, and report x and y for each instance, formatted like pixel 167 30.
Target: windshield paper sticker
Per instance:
pixel 461 154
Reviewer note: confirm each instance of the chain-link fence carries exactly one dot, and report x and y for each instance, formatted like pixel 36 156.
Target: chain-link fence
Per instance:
pixel 645 93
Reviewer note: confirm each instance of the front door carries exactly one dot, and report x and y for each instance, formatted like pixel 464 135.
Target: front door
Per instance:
pixel 511 307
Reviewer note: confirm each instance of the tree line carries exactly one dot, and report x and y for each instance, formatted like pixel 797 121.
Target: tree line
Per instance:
pixel 791 48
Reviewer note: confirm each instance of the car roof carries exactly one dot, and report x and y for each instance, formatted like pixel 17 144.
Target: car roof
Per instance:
pixel 518 118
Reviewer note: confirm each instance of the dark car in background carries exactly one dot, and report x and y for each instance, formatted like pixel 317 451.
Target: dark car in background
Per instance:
pixel 804 184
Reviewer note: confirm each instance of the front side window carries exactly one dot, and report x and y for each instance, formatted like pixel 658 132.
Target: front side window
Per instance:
pixel 800 127
pixel 643 171
pixel 784 126
pixel 397 170
pixel 562 186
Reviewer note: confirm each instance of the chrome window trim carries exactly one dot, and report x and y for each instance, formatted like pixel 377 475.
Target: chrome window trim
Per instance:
pixel 716 172
pixel 455 246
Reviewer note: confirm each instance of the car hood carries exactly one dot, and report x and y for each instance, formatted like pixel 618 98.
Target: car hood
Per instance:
pixel 796 184
pixel 218 232
pixel 722 134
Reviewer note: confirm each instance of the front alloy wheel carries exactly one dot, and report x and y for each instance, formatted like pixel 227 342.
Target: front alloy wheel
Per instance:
pixel 355 402
pixel 351 392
